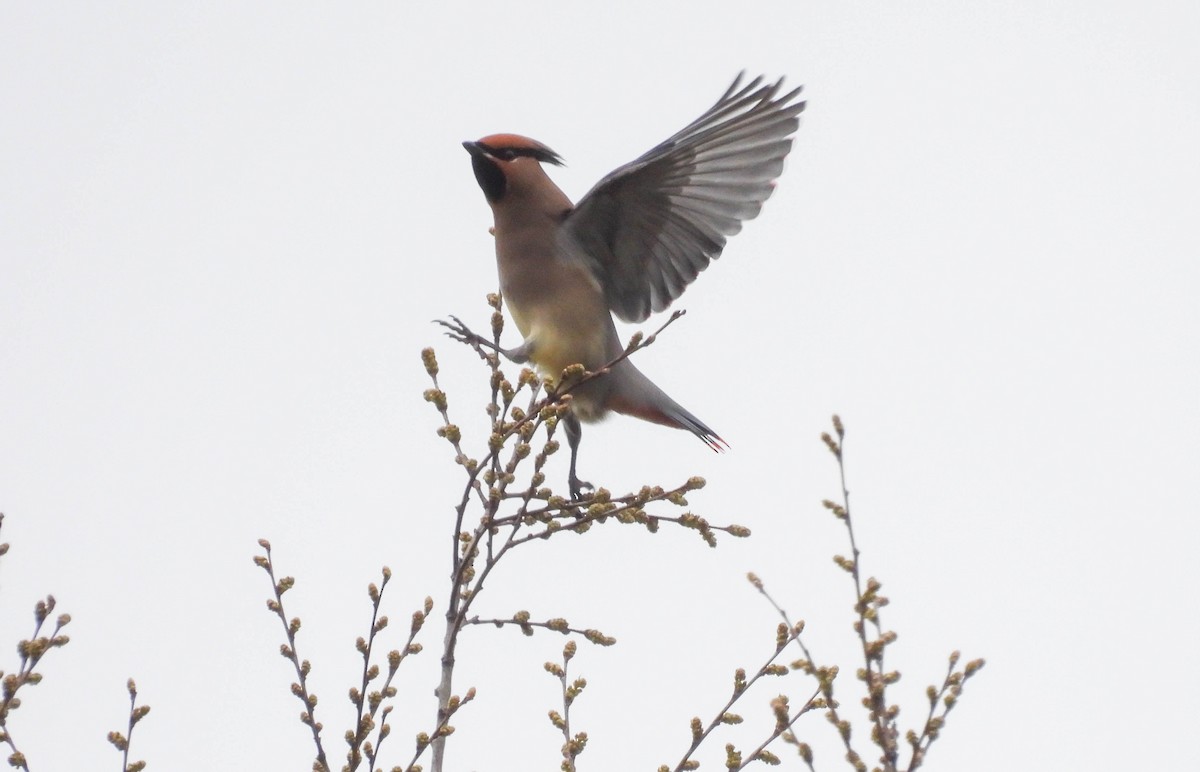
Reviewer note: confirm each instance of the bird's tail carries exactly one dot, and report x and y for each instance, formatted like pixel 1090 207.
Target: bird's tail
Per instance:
pixel 682 419
pixel 636 395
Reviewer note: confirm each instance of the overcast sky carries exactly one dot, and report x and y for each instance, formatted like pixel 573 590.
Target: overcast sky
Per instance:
pixel 225 228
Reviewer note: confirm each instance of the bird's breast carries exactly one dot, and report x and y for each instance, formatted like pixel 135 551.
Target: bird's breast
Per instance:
pixel 556 303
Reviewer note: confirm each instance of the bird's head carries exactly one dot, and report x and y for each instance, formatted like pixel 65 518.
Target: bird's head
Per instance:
pixel 506 161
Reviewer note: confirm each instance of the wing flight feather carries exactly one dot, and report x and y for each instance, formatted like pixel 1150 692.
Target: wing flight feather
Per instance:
pixel 651 226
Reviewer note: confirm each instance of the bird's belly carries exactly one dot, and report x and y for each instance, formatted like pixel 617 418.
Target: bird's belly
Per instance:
pixel 563 324
pixel 557 344
pixel 564 330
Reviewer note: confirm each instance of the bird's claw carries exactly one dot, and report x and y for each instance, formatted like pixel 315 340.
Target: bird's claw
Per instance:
pixel 578 487
pixel 456 330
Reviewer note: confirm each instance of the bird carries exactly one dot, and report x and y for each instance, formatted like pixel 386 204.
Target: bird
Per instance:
pixel 629 247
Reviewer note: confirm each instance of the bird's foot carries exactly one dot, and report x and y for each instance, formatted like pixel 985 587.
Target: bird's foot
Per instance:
pixel 460 332
pixel 580 488
pixel 456 330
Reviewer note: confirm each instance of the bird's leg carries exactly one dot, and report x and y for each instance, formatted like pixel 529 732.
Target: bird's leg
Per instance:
pixel 463 334
pixel 574 432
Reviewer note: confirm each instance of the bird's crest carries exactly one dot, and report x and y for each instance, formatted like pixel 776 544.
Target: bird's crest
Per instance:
pixel 520 146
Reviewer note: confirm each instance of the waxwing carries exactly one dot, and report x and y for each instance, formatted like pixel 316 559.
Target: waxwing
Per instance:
pixel 630 247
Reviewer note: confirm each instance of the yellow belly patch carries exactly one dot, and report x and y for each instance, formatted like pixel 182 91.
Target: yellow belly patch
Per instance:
pixel 552 351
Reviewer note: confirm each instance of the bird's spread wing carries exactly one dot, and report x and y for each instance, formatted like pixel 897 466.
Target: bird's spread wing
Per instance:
pixel 651 226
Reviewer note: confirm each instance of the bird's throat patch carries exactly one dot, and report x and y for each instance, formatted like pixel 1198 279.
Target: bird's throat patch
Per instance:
pixel 489 177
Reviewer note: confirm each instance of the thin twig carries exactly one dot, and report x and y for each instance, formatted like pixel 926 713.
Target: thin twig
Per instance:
pixel 883 725
pixel 522 621
pixel 288 650
pixel 395 658
pixel 947 696
pixel 824 675
pixel 636 344
pixel 573 744
pixel 440 731
pixel 31 651
pixel 783 723
pixel 124 741
pixel 700 733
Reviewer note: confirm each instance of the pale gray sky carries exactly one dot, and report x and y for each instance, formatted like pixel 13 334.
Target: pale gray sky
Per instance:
pixel 224 230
